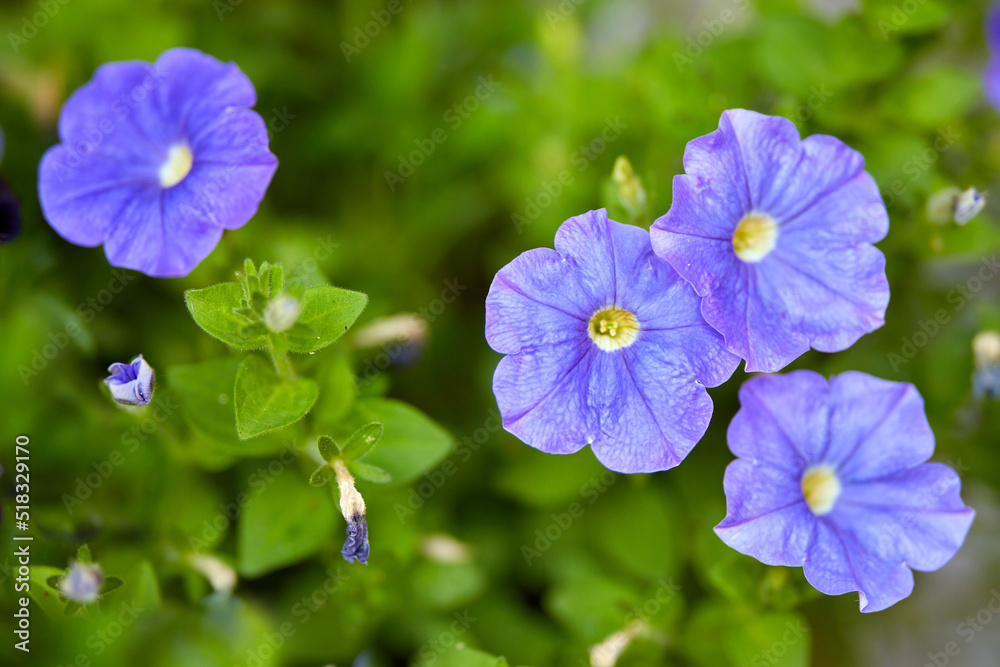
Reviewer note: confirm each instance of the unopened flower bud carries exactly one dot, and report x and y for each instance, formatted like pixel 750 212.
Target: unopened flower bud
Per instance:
pixel 132 383
pixel 352 506
pixel 630 191
pixel 954 205
pixel 606 653
pixel 219 574
pixel 986 377
pixel 82 583
pixel 281 313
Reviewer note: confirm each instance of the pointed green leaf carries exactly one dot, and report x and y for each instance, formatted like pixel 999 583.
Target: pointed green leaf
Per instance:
pixel 284 522
pixel 248 267
pixel 362 441
pixel 54 581
pixel 412 443
pixel 328 448
pixel 213 310
pixel 266 402
pixel 83 554
pixel 369 473
pixel 110 584
pixel 327 312
pixel 322 476
pixel 277 282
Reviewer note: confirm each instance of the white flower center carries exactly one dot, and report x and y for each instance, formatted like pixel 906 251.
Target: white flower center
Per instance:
pixel 821 487
pixel 613 329
pixel 177 166
pixel 755 237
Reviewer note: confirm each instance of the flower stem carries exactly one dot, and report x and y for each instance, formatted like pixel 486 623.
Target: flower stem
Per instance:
pixel 278 348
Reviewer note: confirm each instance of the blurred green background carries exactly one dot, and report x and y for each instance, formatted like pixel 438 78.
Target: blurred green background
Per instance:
pixel 475 547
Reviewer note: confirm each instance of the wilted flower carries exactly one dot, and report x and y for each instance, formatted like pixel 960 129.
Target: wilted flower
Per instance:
pixel 82 584
pixel 156 161
pixel 775 233
pixel 605 347
pixel 132 383
pixel 831 477
pixel 352 506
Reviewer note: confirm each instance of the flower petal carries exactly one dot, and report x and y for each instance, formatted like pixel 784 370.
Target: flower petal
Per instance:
pixel 652 410
pixel 542 396
pixel 836 564
pixel 782 420
pixel 878 427
pixel 160 237
pixel 915 516
pixel 766 514
pixel 532 304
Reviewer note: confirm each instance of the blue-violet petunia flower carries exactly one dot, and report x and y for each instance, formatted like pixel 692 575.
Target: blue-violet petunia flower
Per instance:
pixel 775 233
pixel 605 347
pixel 82 583
pixel 157 160
pixel 831 477
pixel 991 74
pixel 352 506
pixel 132 383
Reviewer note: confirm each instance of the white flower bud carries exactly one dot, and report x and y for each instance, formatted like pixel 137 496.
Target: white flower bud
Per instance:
pixel 281 313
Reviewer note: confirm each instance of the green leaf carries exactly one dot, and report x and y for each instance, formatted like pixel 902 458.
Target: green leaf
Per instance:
pixel 205 391
pixel 467 657
pixel 327 312
pixel 362 442
pixel 369 473
pixel 45 588
pixel 335 375
pixel 71 608
pixel 266 402
pixel 321 476
pixel 83 554
pixel 277 283
pixel 285 522
pixel 412 444
pixel 110 584
pixel 328 448
pixel 212 309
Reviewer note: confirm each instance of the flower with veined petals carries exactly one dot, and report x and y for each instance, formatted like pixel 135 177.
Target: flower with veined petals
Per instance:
pixel 832 477
pixel 775 233
pixel 157 160
pixel 605 347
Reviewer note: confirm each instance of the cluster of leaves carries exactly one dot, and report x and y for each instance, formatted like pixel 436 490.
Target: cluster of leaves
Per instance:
pixel 269 396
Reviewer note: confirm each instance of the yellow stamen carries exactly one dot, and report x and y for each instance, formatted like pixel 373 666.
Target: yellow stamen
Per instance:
pixel 613 329
pixel 821 487
pixel 177 166
pixel 755 237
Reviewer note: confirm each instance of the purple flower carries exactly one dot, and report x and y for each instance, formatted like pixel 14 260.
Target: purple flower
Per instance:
pixel 832 477
pixel 775 234
pixel 605 347
pixel 991 75
pixel 156 161
pixel 131 384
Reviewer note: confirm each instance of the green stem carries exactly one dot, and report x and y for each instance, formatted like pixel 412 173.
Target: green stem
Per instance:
pixel 278 347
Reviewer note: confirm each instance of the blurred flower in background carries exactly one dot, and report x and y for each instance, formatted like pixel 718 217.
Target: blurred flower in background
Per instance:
pixel 156 161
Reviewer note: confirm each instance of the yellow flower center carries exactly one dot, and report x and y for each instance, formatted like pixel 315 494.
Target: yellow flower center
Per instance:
pixel 177 166
pixel 821 487
pixel 755 237
pixel 613 329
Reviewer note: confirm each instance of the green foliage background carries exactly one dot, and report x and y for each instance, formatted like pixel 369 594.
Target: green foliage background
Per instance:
pixel 889 81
